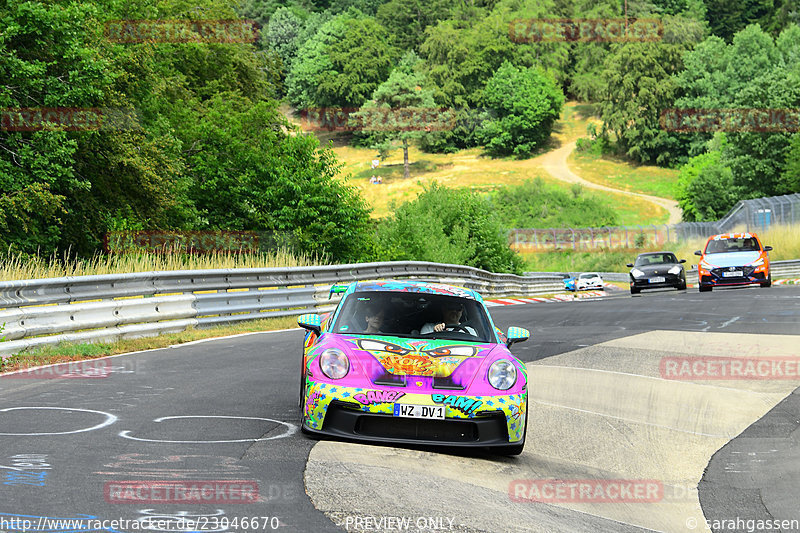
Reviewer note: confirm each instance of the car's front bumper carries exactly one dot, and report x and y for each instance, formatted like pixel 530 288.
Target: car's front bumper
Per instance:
pixel 716 278
pixel 670 280
pixel 475 421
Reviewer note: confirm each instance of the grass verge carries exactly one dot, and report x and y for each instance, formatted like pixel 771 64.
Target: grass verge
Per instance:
pixel 624 175
pixel 67 352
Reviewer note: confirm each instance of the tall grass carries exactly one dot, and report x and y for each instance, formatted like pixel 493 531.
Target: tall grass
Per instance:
pixel 17 267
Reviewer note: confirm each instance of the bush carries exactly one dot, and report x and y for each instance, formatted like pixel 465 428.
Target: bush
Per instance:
pixel 447 226
pixel 534 205
pixel 706 189
pixel 526 103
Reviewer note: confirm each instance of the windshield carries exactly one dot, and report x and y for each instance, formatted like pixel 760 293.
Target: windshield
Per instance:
pixel 405 314
pixel 655 259
pixel 749 244
pixel 585 276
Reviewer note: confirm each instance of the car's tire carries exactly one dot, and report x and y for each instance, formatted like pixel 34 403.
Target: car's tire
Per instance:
pixel 634 290
pixel 705 288
pixel 682 285
pixel 767 283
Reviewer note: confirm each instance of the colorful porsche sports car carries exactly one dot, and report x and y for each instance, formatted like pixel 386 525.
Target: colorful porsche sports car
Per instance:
pixel 733 259
pixel 416 363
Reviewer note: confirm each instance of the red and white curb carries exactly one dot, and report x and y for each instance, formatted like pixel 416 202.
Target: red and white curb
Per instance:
pixel 787 282
pixel 550 299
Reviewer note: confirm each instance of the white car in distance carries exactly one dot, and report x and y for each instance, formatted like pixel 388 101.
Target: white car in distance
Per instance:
pixel 589 280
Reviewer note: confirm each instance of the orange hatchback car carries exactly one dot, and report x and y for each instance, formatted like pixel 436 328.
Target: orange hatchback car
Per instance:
pixel 733 259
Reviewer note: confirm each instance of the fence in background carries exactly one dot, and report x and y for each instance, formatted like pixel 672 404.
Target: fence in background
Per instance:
pixel 110 307
pixel 756 215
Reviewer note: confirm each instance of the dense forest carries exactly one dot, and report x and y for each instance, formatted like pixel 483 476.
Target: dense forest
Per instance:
pixel 206 146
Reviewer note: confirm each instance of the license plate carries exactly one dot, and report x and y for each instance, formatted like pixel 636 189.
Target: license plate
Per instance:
pixel 734 274
pixel 658 280
pixel 419 411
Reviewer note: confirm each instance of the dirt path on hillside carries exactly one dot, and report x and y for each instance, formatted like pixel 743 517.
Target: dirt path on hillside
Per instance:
pixel 555 163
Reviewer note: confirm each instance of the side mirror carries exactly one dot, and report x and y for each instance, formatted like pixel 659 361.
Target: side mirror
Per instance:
pixel 629 265
pixel 768 248
pixel 516 334
pixel 682 261
pixel 698 252
pixel 311 322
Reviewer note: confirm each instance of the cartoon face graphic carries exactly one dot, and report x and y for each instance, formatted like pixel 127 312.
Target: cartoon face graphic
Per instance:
pixel 412 360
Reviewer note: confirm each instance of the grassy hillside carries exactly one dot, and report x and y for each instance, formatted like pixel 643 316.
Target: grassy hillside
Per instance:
pixel 470 168
pixel 624 175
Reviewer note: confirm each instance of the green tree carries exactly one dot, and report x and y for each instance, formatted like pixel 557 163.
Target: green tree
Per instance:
pixel 790 178
pixel 54 56
pixel 281 35
pixel 638 86
pixel 755 71
pixel 728 18
pixel 408 19
pixel 447 226
pixel 342 64
pixel 706 189
pixel 401 109
pixel 526 103
pixel 277 181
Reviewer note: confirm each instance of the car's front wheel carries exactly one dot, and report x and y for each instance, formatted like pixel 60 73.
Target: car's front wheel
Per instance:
pixel 705 288
pixel 767 283
pixel 682 285
pixel 634 290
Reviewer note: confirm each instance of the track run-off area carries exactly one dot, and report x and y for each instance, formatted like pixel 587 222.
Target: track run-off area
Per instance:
pixel 625 409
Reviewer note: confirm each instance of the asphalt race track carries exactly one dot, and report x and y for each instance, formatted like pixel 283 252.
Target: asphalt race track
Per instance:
pixel 220 417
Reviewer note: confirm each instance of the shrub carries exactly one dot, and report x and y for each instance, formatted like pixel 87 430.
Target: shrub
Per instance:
pixel 447 226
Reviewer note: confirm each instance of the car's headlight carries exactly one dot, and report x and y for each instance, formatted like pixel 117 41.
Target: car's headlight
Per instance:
pixel 637 273
pixel 334 363
pixel 675 270
pixel 706 265
pixel 502 374
pixel 758 263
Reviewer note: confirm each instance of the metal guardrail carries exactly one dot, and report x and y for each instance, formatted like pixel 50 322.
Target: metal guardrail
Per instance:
pixel 109 307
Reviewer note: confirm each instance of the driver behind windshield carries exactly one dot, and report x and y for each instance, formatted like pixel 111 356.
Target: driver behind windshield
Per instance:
pixel 374 317
pixel 451 313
